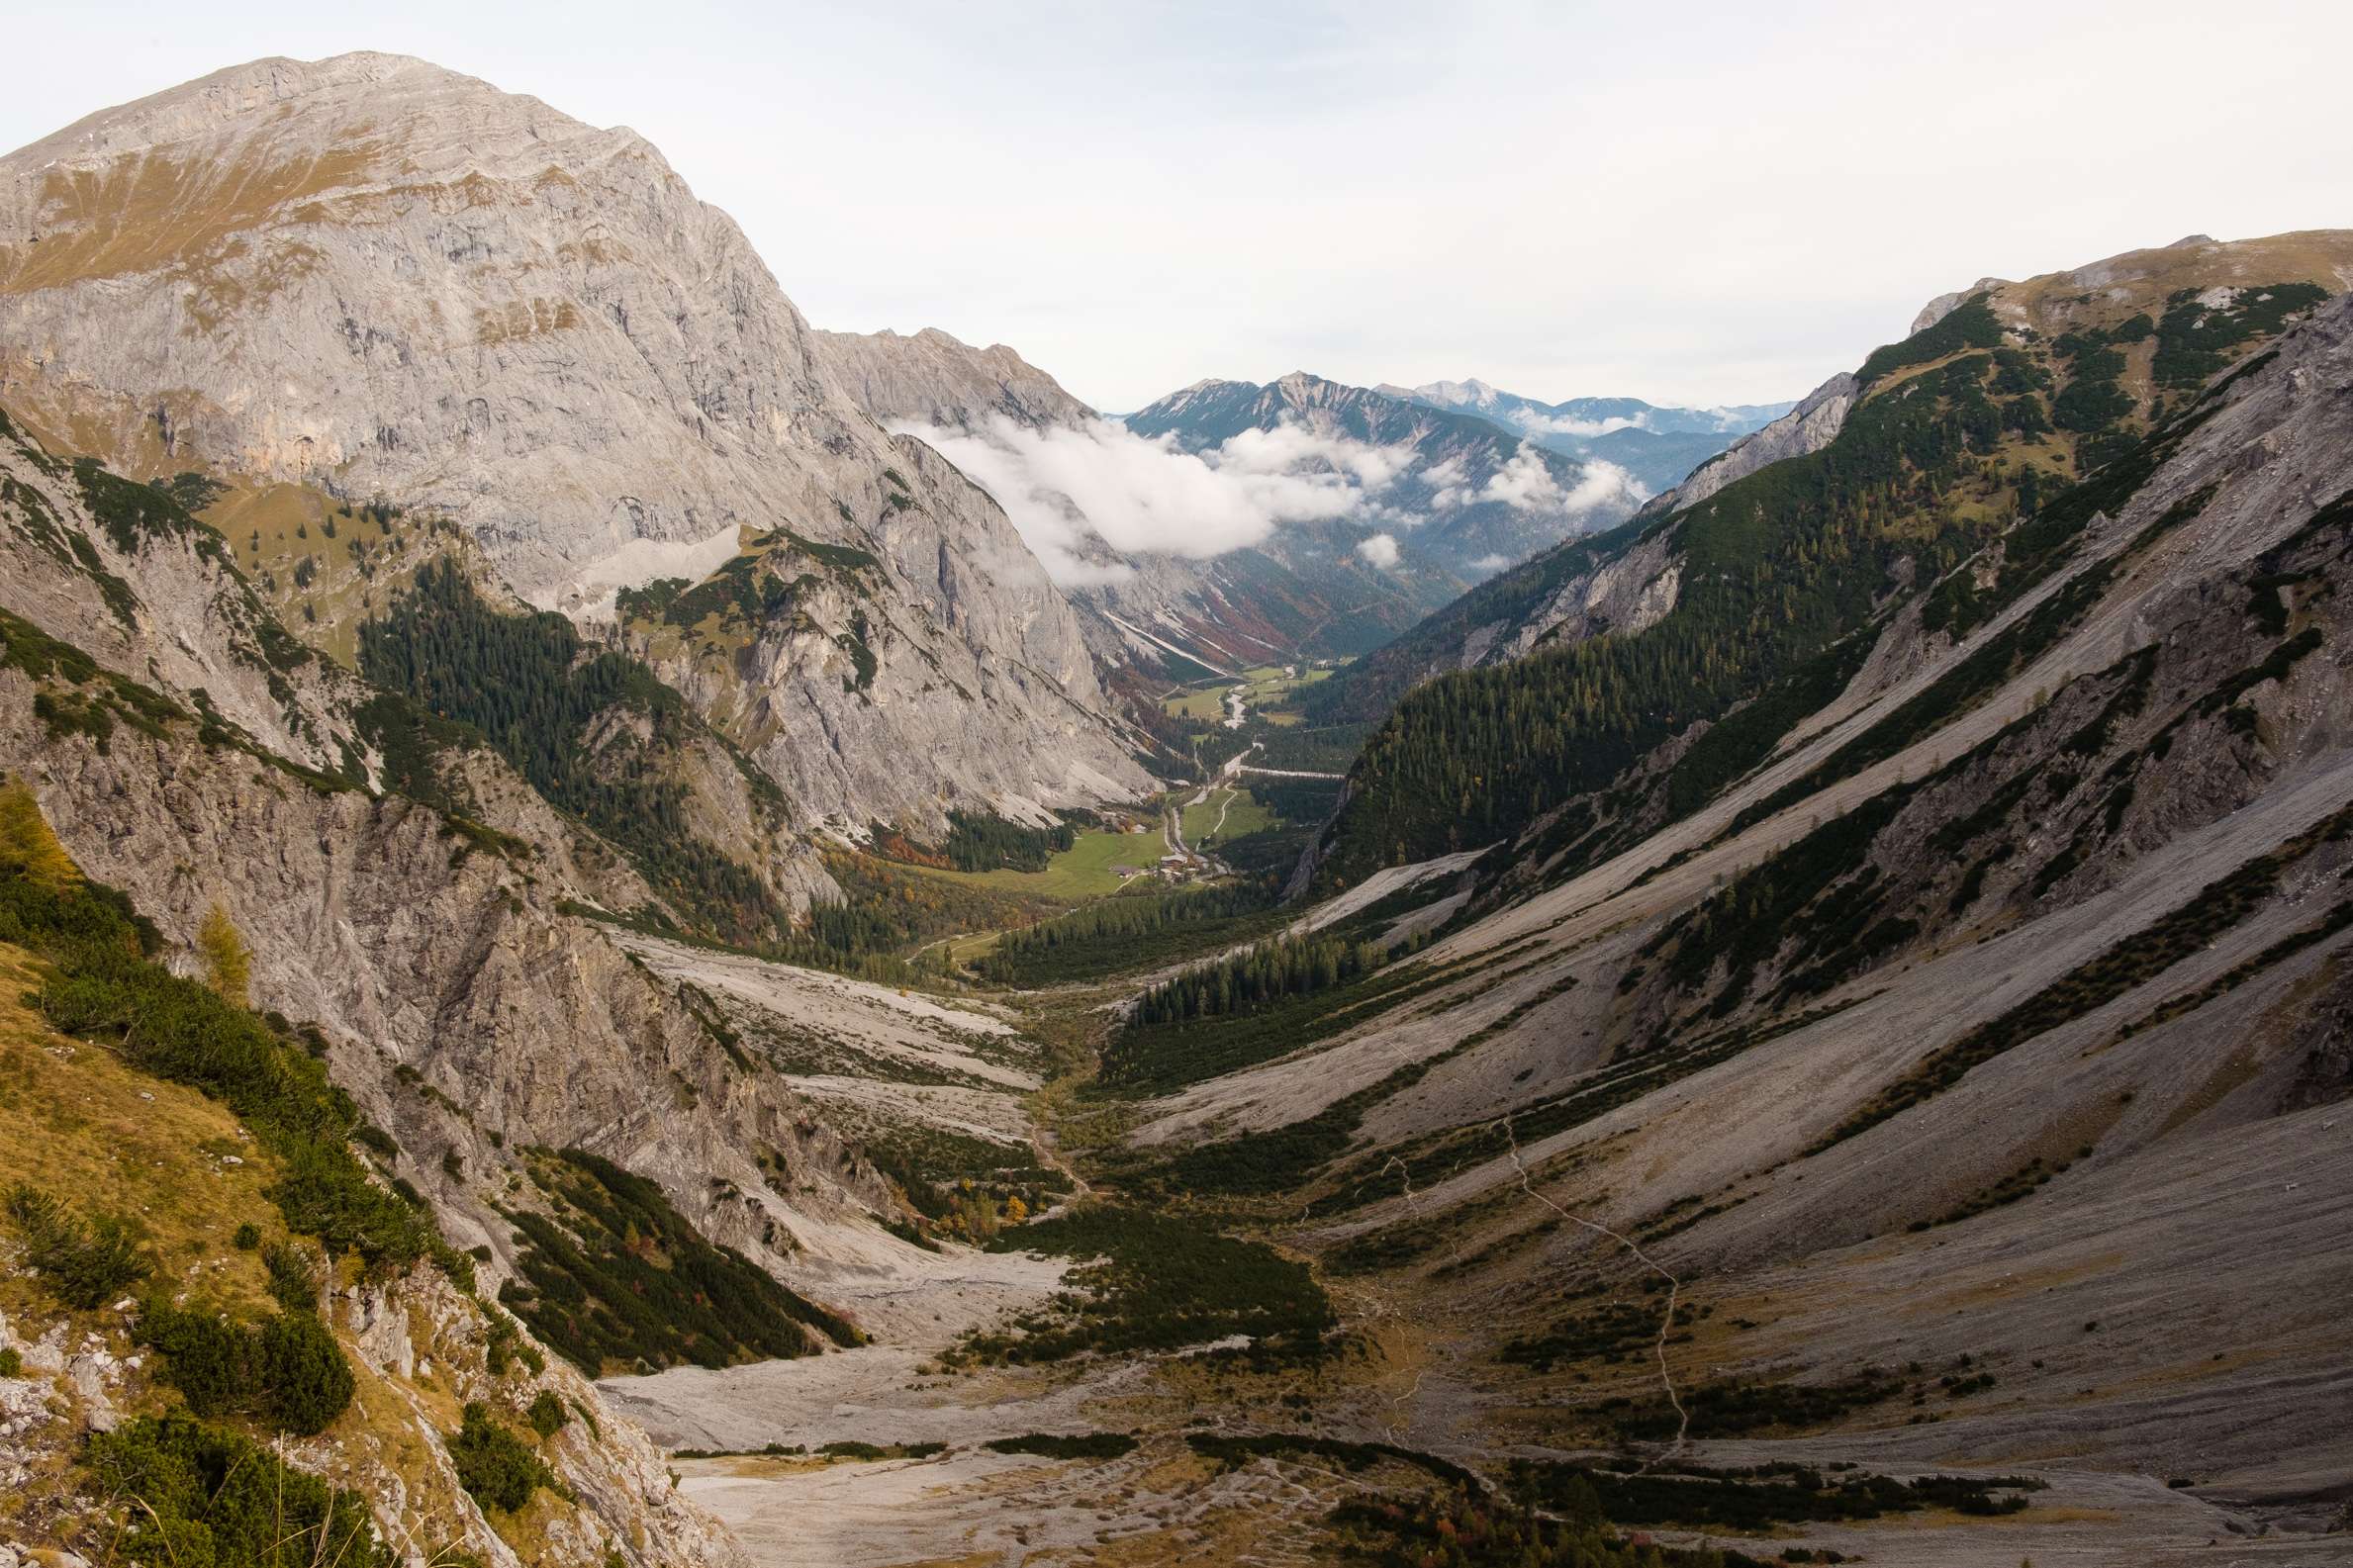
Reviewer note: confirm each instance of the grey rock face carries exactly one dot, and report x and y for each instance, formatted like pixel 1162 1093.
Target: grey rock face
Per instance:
pixel 386 279
pixel 1808 427
pixel 1624 593
pixel 932 377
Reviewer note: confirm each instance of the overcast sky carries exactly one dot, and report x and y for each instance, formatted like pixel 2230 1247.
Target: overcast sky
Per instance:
pixel 1691 204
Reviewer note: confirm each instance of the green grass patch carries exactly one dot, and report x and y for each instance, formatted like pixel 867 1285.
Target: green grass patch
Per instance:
pixel 1096 864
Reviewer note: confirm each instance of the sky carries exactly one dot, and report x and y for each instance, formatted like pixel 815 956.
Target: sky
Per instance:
pixel 1699 204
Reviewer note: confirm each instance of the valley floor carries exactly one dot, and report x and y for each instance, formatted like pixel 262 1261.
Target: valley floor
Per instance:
pixel 1421 1375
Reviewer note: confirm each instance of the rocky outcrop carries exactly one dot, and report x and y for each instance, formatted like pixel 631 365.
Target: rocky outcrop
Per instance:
pixel 1808 427
pixel 1624 595
pixel 932 378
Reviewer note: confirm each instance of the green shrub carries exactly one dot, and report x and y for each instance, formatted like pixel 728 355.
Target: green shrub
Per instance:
pixel 293 1277
pixel 1079 1445
pixel 247 1237
pixel 85 1265
pixel 288 1370
pixel 308 1380
pixel 548 1414
pixel 1761 1496
pixel 197 1496
pixel 12 1362
pixel 493 1465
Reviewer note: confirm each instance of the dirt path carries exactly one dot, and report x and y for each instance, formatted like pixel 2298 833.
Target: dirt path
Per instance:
pixel 1674 1291
pixel 1049 1152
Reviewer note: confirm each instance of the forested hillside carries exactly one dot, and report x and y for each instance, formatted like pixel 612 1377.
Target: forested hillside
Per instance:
pixel 1976 438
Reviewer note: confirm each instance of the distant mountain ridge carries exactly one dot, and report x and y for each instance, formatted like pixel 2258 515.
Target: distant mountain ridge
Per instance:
pixel 1532 415
pixel 1658 445
pixel 1441 499
pixel 1466 520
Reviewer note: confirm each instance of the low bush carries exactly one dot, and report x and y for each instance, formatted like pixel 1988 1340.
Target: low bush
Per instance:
pixel 83 1263
pixel 1079 1445
pixel 200 1494
pixel 288 1370
pixel 1761 1497
pixel 547 1415
pixel 494 1465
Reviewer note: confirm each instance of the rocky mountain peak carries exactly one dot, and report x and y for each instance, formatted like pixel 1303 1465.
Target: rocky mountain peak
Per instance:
pixel 428 289
pixel 381 280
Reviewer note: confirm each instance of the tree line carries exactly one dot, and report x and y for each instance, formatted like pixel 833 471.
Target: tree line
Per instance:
pixel 1248 981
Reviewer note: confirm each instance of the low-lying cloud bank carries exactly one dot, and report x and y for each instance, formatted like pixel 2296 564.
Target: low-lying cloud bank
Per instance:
pixel 1066 488
pixel 1074 490
pixel 1528 484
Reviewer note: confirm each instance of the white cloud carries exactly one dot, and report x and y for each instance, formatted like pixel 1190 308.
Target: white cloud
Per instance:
pixel 1071 491
pixel 1291 447
pixel 1527 481
pixel 1490 563
pixel 1380 549
pixel 1569 425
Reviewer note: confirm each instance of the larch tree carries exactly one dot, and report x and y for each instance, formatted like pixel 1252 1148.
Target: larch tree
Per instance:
pixel 228 961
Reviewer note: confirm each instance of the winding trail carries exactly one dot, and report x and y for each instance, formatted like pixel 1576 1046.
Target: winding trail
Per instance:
pixel 1674 1290
pixel 1041 1142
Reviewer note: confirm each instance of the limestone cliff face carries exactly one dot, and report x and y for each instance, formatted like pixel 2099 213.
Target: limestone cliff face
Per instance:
pixel 388 280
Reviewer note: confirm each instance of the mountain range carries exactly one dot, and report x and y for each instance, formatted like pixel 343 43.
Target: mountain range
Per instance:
pixel 1656 445
pixel 621 954
pixel 1361 511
